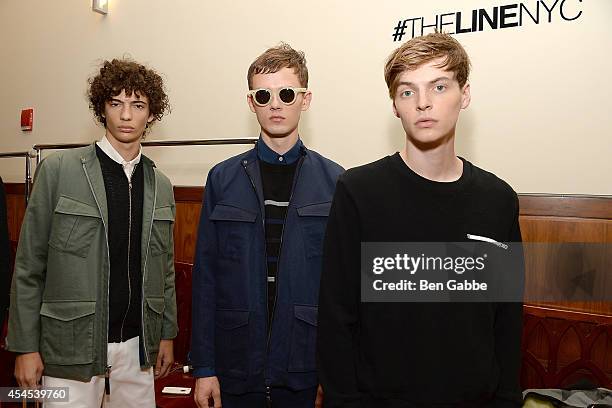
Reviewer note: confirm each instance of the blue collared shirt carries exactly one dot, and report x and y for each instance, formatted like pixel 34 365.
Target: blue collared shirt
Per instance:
pixel 270 156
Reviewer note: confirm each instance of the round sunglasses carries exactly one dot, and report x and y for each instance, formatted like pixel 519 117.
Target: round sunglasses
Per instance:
pixel 263 96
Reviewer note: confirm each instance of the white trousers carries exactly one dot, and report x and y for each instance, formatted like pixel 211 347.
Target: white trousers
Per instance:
pixel 130 386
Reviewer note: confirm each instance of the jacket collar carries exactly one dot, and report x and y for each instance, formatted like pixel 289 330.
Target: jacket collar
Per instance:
pixel 249 161
pixel 266 154
pixel 89 155
pixel 111 152
pixel 251 156
pixel 93 172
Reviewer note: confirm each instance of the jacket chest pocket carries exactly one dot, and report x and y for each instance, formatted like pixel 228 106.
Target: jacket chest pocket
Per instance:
pixel 67 332
pixel 74 226
pixel 234 230
pixel 161 230
pixel 313 220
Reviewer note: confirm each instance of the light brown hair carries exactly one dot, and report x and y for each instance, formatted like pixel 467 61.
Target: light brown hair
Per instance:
pixel 420 50
pixel 276 58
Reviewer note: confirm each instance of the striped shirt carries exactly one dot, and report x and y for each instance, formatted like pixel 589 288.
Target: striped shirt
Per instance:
pixel 277 175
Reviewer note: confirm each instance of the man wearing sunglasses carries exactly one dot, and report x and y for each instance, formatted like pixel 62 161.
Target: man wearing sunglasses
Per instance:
pixel 258 255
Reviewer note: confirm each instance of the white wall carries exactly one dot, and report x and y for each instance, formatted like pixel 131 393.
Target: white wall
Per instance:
pixel 540 117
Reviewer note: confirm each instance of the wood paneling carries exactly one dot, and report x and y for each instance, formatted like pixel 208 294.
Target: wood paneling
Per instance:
pixel 543 219
pixel 562 347
pixel 182 342
pixel 188 207
pixel 566 205
pixel 15 208
pixel 186 230
pixel 187 193
pixel 15 188
pixel 562 341
pixel 555 229
pixel 564 229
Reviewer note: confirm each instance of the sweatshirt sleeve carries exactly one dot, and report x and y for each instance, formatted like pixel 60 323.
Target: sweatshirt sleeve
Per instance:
pixel 508 331
pixel 339 303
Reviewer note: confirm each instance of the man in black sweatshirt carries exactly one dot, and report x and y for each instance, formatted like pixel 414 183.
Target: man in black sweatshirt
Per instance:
pixel 377 354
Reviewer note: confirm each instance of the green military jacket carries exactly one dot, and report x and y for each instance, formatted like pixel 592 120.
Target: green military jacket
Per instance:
pixel 59 293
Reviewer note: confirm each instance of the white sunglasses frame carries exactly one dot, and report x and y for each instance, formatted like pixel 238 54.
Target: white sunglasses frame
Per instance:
pixel 275 93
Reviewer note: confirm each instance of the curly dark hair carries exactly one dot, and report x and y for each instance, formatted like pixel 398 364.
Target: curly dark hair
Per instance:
pixel 126 74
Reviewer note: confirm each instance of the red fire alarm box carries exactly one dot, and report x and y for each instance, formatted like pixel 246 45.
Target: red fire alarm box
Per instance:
pixel 27 119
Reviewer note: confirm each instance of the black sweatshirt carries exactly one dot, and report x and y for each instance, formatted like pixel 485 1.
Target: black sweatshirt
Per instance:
pixel 415 354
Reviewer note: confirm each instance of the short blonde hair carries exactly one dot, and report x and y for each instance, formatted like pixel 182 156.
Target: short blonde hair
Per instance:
pixel 420 50
pixel 276 58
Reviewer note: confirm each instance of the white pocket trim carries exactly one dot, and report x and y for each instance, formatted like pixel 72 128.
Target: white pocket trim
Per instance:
pixel 486 239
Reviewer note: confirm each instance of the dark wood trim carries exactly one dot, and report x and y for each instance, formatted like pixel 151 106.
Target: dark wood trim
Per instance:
pixel 577 206
pixel 181 193
pixel 565 314
pixel 14 188
pixel 546 205
pixel 188 193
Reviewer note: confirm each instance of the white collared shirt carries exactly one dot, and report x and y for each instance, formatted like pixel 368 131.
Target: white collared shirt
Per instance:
pixel 128 166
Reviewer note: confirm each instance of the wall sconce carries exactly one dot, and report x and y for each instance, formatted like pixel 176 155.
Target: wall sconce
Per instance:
pixel 100 6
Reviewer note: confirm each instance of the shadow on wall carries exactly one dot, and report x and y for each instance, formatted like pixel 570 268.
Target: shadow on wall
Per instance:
pixel 464 136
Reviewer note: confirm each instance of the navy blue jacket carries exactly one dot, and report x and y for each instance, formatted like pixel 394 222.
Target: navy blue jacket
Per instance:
pixel 230 337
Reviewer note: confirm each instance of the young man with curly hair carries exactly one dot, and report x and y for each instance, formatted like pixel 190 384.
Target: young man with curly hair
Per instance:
pixel 258 255
pixel 93 304
pixel 418 354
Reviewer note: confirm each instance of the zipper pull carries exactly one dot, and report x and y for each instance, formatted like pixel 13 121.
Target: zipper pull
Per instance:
pixel 268 398
pixel 106 380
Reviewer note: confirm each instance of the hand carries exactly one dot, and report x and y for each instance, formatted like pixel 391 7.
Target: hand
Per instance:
pixel 28 369
pixel 165 358
pixel 319 399
pixel 207 389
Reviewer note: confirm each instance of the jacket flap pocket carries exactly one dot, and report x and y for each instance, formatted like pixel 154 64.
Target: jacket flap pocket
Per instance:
pixel 306 313
pixel 163 214
pixel 66 311
pixel 223 212
pixel 232 319
pixel 156 304
pixel 315 210
pixel 67 205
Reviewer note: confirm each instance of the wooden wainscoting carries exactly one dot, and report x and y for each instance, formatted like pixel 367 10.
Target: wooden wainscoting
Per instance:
pixel 15 208
pixel 562 347
pixel 565 219
pixel 188 206
pixel 562 342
